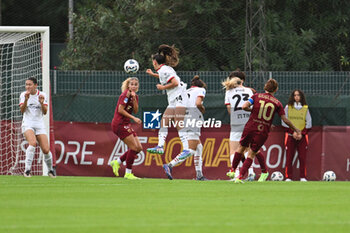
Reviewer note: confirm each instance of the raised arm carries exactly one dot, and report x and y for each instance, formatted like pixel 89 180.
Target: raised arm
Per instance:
pixel 23 105
pixel 43 105
pixel 150 72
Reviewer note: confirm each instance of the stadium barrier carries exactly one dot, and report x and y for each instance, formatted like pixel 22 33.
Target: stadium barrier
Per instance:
pixel 85 149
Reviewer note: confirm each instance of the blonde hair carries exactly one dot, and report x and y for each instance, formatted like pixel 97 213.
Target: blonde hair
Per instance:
pixel 230 83
pixel 125 84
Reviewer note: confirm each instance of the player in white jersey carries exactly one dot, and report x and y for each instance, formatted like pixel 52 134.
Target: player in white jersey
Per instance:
pixel 251 175
pixel 163 63
pixel 236 95
pixel 33 105
pixel 194 113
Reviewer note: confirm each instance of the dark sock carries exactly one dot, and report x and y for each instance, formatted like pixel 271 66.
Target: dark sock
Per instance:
pixel 261 160
pixel 123 157
pixel 236 159
pixel 130 158
pixel 246 165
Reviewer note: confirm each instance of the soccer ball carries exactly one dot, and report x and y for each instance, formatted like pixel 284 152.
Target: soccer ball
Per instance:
pixel 329 176
pixel 131 66
pixel 277 176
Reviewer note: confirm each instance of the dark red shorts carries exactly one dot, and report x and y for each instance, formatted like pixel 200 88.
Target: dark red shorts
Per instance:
pixel 253 139
pixel 122 131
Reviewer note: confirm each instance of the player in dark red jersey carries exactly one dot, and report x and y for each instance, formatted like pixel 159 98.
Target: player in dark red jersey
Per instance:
pixel 257 129
pixel 128 103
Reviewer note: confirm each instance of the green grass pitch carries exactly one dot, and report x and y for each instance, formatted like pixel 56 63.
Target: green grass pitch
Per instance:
pixel 98 204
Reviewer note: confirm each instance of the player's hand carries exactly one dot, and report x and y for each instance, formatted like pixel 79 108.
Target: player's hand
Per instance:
pixel 160 87
pixel 137 120
pixel 132 93
pixel 41 99
pixel 150 72
pixel 298 136
pixel 26 95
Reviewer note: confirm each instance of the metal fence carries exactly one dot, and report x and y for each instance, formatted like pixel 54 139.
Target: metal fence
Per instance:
pixel 108 83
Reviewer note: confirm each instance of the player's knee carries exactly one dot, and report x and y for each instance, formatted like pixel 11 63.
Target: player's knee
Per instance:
pixel 45 150
pixel 138 148
pixel 32 143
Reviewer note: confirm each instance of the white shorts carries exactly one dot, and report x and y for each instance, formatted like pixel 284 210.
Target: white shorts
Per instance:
pixel 38 128
pixel 179 101
pixel 236 132
pixel 193 133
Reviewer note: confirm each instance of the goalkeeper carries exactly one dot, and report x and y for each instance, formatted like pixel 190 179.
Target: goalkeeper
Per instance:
pixel 33 105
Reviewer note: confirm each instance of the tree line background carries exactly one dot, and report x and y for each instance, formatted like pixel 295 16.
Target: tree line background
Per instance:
pixel 300 35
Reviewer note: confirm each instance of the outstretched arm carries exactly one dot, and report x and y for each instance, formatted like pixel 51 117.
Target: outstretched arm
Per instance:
pixel 150 72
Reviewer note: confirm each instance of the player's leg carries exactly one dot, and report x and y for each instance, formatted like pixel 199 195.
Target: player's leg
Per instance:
pixel 180 112
pixel 237 159
pixel 117 162
pixel 290 151
pixel 251 174
pixel 261 160
pixel 198 161
pixel 302 150
pixel 246 165
pixel 45 148
pixel 135 147
pixel 30 151
pixel 179 159
pixel 234 145
pixel 163 131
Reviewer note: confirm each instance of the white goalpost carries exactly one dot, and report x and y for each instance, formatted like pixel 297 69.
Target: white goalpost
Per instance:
pixel 24 53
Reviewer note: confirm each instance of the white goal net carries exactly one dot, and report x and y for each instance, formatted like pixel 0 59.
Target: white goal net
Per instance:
pixel 23 54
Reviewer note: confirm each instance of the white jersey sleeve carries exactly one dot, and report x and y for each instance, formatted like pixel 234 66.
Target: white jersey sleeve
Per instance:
pixel 236 98
pixel 166 74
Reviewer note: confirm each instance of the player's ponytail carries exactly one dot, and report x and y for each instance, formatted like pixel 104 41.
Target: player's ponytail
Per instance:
pixel 125 84
pixel 197 82
pixel 171 54
pixel 231 83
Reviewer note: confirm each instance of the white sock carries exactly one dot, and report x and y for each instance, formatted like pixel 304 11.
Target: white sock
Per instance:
pixel 179 159
pixel 250 170
pixel 29 157
pixel 48 161
pixel 198 160
pixel 183 137
pixel 119 161
pixel 237 173
pixel 127 170
pixel 231 157
pixel 162 134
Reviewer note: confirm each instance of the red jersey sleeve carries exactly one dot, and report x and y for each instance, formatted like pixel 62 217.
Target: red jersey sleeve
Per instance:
pixel 123 99
pixel 280 109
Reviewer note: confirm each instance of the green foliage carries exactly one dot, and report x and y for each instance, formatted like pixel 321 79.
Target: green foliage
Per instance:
pixel 300 35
